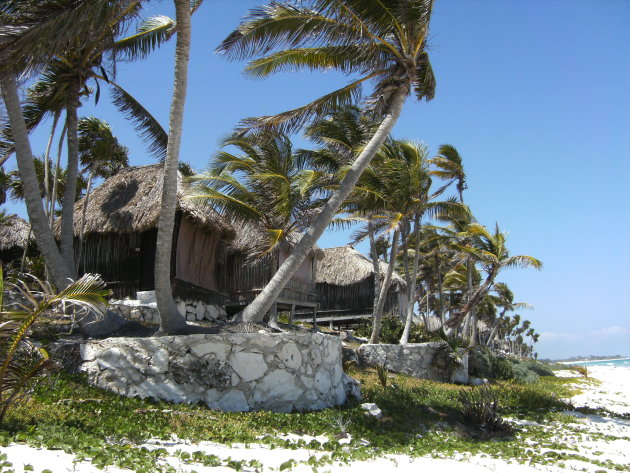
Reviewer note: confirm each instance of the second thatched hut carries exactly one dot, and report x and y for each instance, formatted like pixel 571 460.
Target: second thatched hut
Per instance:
pixel 14 234
pixel 345 286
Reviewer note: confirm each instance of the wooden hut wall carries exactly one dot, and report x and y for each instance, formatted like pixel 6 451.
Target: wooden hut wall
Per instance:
pixel 196 255
pixel 358 297
pixel 243 274
pixel 305 273
pixel 115 258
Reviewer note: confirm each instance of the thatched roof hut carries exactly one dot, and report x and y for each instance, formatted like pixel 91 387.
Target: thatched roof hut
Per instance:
pixel 121 232
pixel 130 202
pixel 13 237
pixel 14 233
pixel 345 283
pixel 250 266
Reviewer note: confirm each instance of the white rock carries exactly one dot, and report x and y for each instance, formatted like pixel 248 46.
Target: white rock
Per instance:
pixel 159 362
pixel 145 297
pixel 181 307
pixel 291 356
pixel 322 382
pixel 218 349
pixel 249 366
pixel 278 385
pixel 372 409
pixel 234 401
pixel 201 311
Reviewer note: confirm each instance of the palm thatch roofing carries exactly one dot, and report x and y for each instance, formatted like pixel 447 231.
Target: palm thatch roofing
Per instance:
pixel 253 240
pixel 345 266
pixel 13 233
pixel 130 202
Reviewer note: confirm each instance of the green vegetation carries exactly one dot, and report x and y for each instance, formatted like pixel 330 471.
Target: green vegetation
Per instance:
pixel 420 418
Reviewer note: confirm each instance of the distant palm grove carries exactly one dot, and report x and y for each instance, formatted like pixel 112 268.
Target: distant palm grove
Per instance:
pixel 406 203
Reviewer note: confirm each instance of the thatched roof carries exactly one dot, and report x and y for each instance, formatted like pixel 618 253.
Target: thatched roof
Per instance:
pixel 13 233
pixel 344 266
pixel 130 202
pixel 252 239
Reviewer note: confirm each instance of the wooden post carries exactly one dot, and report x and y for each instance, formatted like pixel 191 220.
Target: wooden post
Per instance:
pixel 291 316
pixel 315 319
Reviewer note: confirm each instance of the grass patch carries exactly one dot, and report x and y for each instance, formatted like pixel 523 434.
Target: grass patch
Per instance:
pixel 420 418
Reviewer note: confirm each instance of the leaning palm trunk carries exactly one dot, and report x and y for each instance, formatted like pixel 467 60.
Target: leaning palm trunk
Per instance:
pixel 256 311
pixel 91 322
pixel 43 235
pixel 411 284
pixel 378 310
pixel 481 291
pixel 171 321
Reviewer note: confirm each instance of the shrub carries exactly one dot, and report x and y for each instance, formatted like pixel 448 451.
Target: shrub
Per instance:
pixel 483 364
pixel 392 329
pixel 480 406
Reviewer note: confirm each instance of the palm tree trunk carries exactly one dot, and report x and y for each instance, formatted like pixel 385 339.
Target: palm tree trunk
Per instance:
pixel 66 239
pixel 375 267
pixel 411 285
pixel 47 161
pixel 37 217
pixel 53 198
pixel 378 310
pixel 55 263
pixel 171 321
pixel 255 311
pixel 476 297
pixel 83 219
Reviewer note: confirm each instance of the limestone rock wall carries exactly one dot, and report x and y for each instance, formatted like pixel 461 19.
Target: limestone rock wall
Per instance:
pixel 420 360
pixel 146 311
pixel 232 372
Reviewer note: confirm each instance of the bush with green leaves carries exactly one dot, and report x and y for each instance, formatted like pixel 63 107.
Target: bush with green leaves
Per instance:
pixel 480 406
pixel 484 364
pixel 392 329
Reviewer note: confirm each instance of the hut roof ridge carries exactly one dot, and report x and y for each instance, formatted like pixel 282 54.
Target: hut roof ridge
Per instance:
pixel 343 266
pixel 130 202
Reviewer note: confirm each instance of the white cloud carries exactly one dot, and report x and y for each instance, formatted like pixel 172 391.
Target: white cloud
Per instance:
pixel 611 331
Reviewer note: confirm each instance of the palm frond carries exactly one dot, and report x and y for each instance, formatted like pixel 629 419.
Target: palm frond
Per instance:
pixel 149 128
pixel 151 34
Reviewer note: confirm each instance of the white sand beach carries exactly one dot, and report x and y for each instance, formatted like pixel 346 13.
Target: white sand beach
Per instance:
pixel 596 439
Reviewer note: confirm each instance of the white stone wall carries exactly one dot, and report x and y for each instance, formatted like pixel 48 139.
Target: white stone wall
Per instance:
pixel 420 360
pixel 281 372
pixel 139 310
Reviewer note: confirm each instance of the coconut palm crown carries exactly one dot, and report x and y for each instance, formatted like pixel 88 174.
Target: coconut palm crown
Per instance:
pixel 382 42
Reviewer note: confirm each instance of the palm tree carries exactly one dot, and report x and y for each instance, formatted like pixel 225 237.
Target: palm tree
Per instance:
pixel 31 33
pixel 171 321
pixel 449 168
pixel 382 42
pixel 503 298
pixel 101 155
pixel 490 251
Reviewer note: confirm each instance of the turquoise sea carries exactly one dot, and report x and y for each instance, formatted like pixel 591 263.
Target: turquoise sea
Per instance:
pixel 621 362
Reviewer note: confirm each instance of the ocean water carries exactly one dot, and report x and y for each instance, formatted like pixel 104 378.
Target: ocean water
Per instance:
pixel 621 362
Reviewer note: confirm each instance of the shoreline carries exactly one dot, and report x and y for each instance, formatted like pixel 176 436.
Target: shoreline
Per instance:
pixel 591 361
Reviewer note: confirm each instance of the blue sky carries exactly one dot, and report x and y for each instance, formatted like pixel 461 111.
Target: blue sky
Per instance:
pixel 533 94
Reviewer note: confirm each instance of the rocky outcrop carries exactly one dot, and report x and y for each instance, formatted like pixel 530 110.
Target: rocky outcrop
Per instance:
pixel 281 372
pixel 420 360
pixel 146 310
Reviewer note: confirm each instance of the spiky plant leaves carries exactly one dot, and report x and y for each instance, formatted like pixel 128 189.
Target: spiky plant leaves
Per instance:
pixel 22 362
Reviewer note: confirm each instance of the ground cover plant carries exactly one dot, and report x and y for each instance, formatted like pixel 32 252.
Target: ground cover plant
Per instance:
pixel 420 418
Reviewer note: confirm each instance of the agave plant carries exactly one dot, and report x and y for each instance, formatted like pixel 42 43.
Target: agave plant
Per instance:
pixel 21 361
